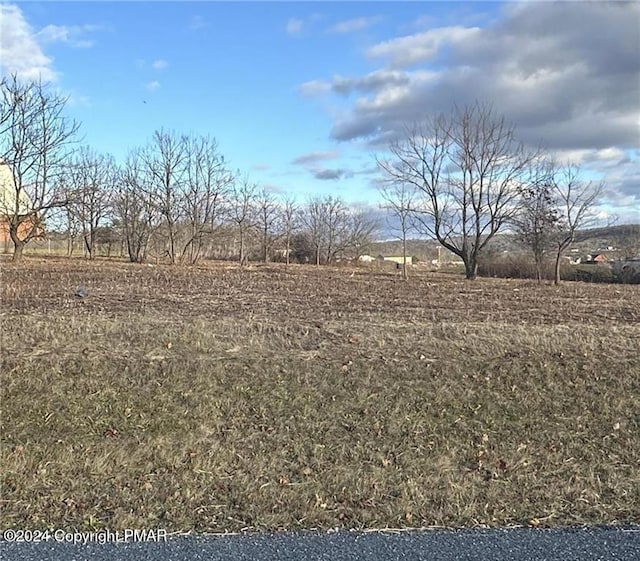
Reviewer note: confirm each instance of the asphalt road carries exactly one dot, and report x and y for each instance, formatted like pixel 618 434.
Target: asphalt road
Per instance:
pixel 516 544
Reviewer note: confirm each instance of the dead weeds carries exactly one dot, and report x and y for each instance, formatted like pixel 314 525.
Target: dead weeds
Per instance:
pixel 214 398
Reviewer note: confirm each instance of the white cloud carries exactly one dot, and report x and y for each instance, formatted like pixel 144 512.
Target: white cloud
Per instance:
pixel 71 35
pixel 159 64
pixel 604 159
pixel 314 88
pixel 379 80
pixel 294 26
pixel 355 24
pixel 550 80
pixel 390 97
pixel 420 47
pixel 153 85
pixel 576 96
pixel 20 52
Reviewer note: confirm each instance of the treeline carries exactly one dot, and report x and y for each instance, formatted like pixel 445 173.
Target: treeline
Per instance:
pixel 458 178
pixel 176 197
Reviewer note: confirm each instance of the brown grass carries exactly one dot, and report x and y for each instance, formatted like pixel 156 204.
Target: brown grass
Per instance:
pixel 213 398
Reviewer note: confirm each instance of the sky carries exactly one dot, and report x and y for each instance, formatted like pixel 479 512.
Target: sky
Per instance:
pixel 302 96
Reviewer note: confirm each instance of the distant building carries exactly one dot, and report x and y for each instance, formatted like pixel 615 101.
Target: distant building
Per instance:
pixel 399 259
pixel 599 258
pixel 366 259
pixel 8 206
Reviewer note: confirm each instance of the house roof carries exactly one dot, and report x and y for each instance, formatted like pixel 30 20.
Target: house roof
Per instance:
pixel 8 193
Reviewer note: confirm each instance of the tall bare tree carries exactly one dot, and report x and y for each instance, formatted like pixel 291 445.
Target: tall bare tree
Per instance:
pixel 165 159
pixel 207 184
pixel 268 221
pixel 242 211
pixel 399 199
pixel 92 180
pixel 73 228
pixel 334 228
pixel 314 220
pixel 134 209
pixel 290 217
pixel 36 140
pixel 468 169
pixel 575 199
pixel 359 232
pixel 536 223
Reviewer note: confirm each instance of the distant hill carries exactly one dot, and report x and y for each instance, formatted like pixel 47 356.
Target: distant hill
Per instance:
pixel 625 237
pixel 425 250
pixel 611 235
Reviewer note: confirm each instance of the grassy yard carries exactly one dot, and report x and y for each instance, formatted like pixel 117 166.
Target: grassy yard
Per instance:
pixel 218 399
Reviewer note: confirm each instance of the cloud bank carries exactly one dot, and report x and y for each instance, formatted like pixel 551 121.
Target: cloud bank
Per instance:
pixel 567 74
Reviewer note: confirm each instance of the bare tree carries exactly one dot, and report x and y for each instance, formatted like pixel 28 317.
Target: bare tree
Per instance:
pixel 134 209
pixel 468 169
pixel 290 219
pixel 575 199
pixel 92 182
pixel 336 226
pixel 242 211
pixel 630 243
pixel 35 144
pixel 399 199
pixel 73 228
pixel 536 222
pixel 314 219
pixel 268 223
pixel 333 228
pixel 207 185
pixel 165 160
pixel 359 232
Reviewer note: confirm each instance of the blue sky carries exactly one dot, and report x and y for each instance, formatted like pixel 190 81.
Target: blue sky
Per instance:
pixel 300 95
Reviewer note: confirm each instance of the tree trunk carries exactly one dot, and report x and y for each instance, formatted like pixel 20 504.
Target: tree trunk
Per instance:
pixel 288 248
pixel 470 268
pixel 265 247
pixel 172 247
pixel 317 256
pixel 88 245
pixel 18 244
pixel 241 248
pixel 17 250
pixel 556 280
pixel 405 274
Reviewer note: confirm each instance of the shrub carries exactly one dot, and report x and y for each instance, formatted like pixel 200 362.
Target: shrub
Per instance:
pixel 519 266
pixel 512 266
pixel 627 275
pixel 590 273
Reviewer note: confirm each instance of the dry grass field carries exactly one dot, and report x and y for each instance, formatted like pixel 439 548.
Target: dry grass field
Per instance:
pixel 218 399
